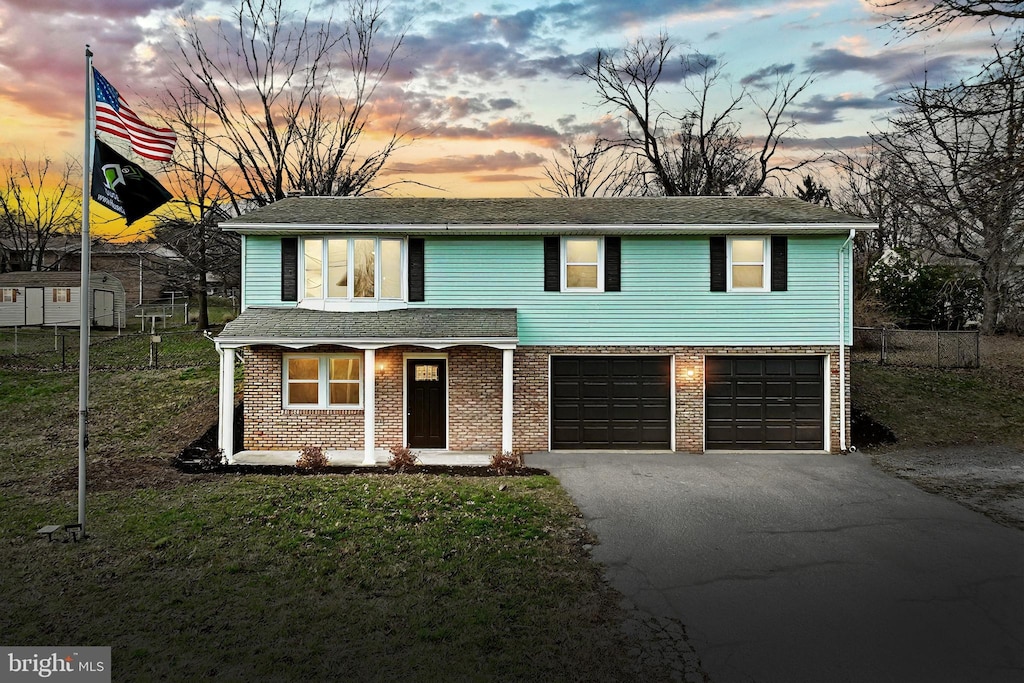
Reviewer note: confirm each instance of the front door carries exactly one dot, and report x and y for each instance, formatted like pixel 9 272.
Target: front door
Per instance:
pixel 426 410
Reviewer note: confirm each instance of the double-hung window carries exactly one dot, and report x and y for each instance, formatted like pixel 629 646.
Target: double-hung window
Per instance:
pixel 352 268
pixel 61 295
pixel 332 381
pixel 582 264
pixel 749 264
pixel 9 295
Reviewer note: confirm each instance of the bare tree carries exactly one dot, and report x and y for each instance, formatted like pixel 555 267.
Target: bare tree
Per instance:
pixel 914 16
pixel 279 121
pixel 38 201
pixel 190 223
pixel 959 152
pixel 699 150
pixel 603 170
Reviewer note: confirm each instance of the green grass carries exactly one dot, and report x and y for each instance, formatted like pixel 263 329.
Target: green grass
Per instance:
pixel 253 577
pixel 936 407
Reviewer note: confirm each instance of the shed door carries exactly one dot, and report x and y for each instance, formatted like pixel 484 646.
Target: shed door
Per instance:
pixel 765 402
pixel 34 306
pixel 103 308
pixel 610 402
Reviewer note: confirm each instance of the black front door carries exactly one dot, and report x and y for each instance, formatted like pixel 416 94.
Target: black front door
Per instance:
pixel 425 412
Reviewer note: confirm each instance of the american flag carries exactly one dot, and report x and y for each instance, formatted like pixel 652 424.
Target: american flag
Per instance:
pixel 114 116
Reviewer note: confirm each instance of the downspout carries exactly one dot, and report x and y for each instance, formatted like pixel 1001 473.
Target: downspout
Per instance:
pixel 842 341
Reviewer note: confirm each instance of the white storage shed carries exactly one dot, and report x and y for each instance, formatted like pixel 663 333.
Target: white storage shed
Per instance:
pixel 54 298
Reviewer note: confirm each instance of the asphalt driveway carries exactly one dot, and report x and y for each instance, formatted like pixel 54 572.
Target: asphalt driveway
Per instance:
pixel 790 567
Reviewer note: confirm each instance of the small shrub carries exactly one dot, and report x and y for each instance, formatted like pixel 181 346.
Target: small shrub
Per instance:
pixel 402 458
pixel 504 462
pixel 312 458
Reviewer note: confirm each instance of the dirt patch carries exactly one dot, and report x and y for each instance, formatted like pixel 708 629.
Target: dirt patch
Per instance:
pixel 987 479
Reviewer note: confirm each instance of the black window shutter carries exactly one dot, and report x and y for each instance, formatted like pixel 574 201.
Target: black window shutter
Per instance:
pixel 612 264
pixel 718 263
pixel 289 269
pixel 780 263
pixel 416 269
pixel 552 264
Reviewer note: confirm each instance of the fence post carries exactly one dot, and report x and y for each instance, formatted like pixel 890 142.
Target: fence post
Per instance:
pixel 15 340
pixel 977 348
pixel 881 355
pixel 938 350
pixel 63 353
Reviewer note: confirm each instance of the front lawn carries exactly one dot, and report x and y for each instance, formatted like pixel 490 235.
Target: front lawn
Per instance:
pixel 256 577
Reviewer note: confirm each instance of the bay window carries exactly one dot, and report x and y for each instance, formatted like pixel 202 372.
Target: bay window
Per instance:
pixel 353 268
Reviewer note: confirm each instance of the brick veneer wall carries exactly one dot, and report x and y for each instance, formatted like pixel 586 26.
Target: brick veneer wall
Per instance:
pixel 530 419
pixel 474 397
pixel 474 402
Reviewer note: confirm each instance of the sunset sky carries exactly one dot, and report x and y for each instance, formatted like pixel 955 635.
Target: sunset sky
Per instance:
pixel 487 88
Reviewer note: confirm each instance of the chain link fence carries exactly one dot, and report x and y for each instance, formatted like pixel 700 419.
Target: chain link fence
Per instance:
pixel 926 348
pixel 58 349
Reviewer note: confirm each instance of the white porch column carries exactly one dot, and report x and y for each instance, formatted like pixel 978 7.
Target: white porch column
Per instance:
pixel 226 420
pixel 370 373
pixel 506 400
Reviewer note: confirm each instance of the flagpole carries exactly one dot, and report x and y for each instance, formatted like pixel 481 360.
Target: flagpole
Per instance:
pixel 83 325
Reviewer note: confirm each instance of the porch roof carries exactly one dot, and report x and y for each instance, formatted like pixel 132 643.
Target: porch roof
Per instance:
pixel 434 327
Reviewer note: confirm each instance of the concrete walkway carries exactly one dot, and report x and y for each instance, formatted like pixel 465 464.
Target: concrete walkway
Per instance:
pixel 790 568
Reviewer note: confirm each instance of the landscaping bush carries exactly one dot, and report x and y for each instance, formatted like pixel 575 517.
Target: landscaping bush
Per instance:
pixel 504 462
pixel 312 459
pixel 402 458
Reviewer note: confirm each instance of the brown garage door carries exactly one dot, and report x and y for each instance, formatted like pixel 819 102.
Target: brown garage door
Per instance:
pixel 610 402
pixel 765 402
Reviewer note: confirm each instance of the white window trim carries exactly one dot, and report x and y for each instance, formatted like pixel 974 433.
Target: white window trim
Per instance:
pixel 564 265
pixel 9 295
pixel 350 265
pixel 766 263
pixel 323 382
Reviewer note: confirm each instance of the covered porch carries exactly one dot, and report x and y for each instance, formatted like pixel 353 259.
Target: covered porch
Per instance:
pixel 360 383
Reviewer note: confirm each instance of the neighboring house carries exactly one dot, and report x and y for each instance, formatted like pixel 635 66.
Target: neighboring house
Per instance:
pixel 683 324
pixel 54 298
pixel 146 269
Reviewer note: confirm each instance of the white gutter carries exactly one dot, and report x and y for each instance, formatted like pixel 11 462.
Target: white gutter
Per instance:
pixel 842 341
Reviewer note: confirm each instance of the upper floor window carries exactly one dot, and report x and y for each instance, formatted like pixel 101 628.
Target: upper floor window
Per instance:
pixel 748 267
pixel 352 268
pixel 582 264
pixel 323 381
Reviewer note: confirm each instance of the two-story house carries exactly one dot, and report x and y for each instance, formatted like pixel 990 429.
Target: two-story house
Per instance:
pixel 467 325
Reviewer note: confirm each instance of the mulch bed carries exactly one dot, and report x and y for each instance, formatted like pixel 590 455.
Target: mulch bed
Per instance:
pixel 199 457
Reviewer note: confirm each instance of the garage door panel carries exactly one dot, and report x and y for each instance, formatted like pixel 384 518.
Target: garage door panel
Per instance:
pixel 746 366
pixel 566 411
pixel 764 402
pixel 807 366
pixel 747 389
pixel 619 402
pixel 809 412
pixel 778 389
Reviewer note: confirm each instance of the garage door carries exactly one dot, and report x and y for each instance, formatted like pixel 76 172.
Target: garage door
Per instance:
pixel 610 402
pixel 765 402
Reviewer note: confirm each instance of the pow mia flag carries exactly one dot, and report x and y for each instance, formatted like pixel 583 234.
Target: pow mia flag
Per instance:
pixel 124 187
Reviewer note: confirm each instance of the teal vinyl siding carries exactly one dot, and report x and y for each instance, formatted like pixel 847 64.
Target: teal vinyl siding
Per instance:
pixel 261 272
pixel 665 297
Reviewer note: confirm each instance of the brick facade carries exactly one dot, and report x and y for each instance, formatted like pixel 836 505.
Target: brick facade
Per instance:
pixel 474 396
pixel 474 402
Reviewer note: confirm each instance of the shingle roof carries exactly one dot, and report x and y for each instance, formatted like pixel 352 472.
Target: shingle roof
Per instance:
pixel 47 278
pixel 669 211
pixel 268 323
